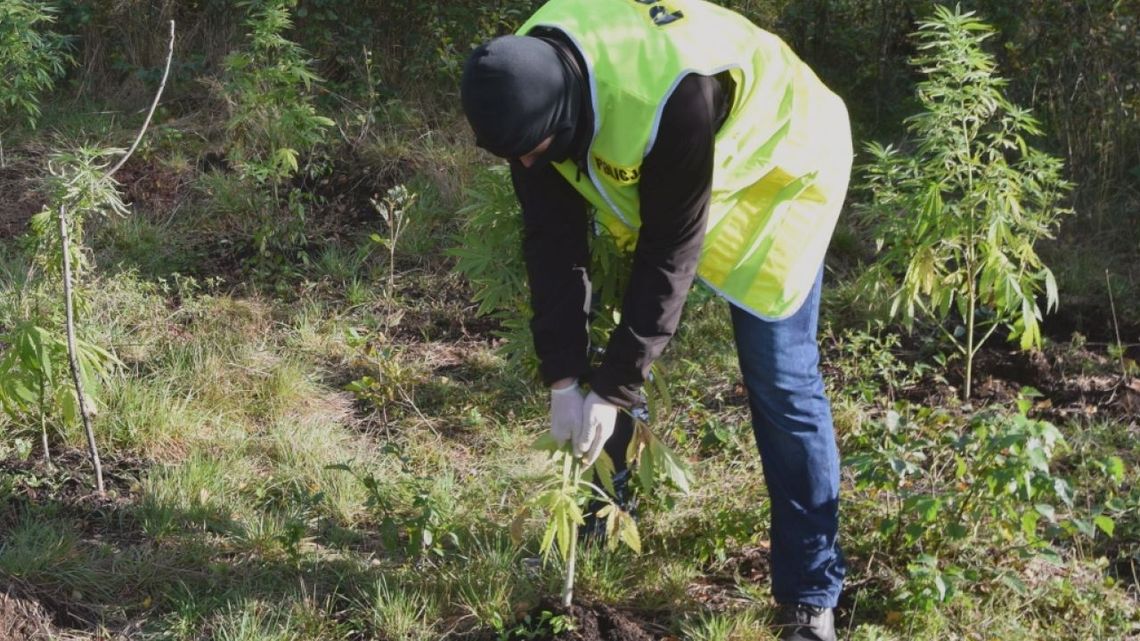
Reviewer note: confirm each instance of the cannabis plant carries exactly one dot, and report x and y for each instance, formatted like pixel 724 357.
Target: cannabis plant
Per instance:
pixel 81 185
pixel 565 499
pixel 958 208
pixel 272 120
pixel 267 87
pixel 31 58
pixel 35 362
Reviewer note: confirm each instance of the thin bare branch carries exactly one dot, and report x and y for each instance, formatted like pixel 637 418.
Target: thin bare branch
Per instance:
pixel 153 106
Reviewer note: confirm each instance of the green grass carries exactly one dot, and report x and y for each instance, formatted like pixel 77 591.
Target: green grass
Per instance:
pixel 230 427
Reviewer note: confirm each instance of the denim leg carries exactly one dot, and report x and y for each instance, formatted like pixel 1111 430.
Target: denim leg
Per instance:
pixel 791 419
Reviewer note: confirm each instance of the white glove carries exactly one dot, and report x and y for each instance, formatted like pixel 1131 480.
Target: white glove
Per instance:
pixel 565 412
pixel 597 426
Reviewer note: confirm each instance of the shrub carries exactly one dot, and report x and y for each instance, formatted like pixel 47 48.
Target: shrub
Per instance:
pixel 966 504
pixel 266 86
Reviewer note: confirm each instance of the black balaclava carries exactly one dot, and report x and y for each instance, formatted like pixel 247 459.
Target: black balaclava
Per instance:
pixel 517 91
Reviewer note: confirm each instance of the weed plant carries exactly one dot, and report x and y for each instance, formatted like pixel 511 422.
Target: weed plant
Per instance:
pixel 493 223
pixel 959 216
pixel 272 122
pixel 32 58
pixel 34 371
pixel 990 485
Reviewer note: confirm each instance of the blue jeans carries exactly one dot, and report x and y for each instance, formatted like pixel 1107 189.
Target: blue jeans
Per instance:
pixel 791 420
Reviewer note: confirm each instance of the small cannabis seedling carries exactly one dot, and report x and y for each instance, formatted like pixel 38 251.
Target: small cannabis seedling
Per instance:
pixel 564 499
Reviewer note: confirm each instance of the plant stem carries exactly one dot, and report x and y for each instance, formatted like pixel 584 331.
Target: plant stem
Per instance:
pixel 43 421
pixel 392 264
pixel 971 272
pixel 574 469
pixel 72 360
pixel 969 341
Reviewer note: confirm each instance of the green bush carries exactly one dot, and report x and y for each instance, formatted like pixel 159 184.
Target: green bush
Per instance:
pixel 966 504
pixel 272 123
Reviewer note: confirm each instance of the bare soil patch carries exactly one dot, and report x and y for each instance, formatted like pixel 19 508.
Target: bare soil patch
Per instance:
pixel 70 478
pixel 1073 378
pixel 19 200
pixel 69 486
pixel 592 622
pixel 152 186
pixel 603 623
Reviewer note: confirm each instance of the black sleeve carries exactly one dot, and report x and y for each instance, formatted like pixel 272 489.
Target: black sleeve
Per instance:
pixel 555 249
pixel 676 184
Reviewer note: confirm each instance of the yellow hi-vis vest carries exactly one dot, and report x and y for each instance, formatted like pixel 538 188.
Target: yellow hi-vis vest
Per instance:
pixel 782 157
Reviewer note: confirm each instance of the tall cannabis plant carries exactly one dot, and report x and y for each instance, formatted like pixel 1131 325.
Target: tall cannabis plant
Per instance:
pixel 81 185
pixel 267 87
pixel 958 208
pixel 44 346
pixel 272 121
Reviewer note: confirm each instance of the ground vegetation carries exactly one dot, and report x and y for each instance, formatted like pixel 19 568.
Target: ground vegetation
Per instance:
pixel 305 320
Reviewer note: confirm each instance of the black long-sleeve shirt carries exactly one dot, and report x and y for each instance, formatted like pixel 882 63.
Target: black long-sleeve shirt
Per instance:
pixel 675 187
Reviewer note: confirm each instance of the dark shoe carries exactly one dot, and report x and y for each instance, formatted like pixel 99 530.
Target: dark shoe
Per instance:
pixel 594 531
pixel 803 622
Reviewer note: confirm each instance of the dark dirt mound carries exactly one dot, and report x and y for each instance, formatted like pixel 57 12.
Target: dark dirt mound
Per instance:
pixel 68 486
pixel 349 184
pixel 601 622
pixel 1074 381
pixel 592 622
pixel 154 187
pixel 23 620
pixel 70 479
